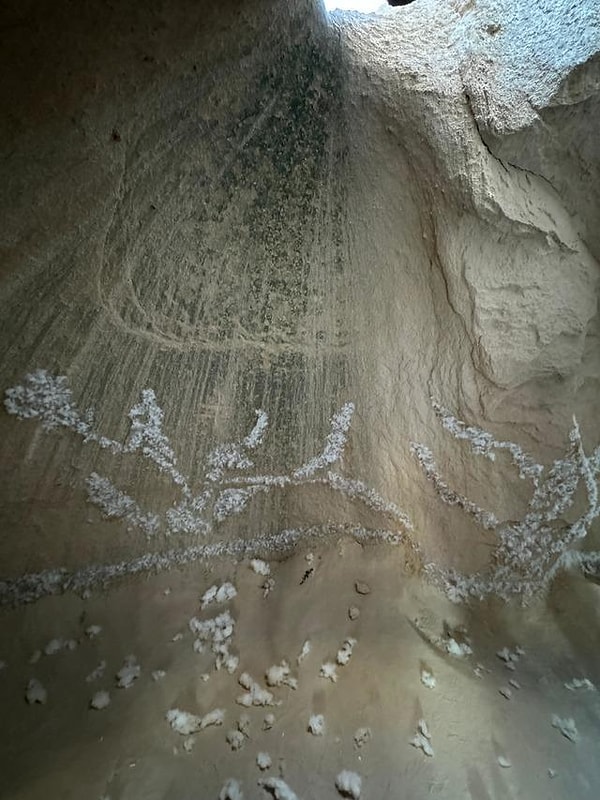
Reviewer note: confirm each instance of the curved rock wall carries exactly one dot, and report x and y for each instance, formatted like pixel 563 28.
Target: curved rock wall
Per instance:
pixel 256 207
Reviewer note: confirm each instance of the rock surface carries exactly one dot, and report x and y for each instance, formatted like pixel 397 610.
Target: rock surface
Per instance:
pixel 297 231
pixel 266 208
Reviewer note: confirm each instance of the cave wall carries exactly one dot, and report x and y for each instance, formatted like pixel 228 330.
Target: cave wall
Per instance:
pixel 253 207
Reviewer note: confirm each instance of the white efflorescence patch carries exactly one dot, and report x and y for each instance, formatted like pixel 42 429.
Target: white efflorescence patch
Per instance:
pixel 216 633
pixel 580 683
pixel 55 646
pixel 349 784
pixel 231 790
pixel 260 567
pixel 185 723
pixel 329 671
pixel 255 694
pixel 235 739
pixel 158 675
pixel 457 649
pixel 263 761
pixel 129 672
pixel 92 631
pixel 100 700
pixel 268 722
pixel 278 788
pixel 334 445
pixel 243 725
pixel 280 675
pixel 531 551
pixel 33 586
pixel 231 663
pixel 362 736
pixel 529 554
pixel 304 652
pixel 344 654
pixel 218 594
pixel 116 504
pixel 508 656
pixel 209 596
pixel 35 692
pixel 422 739
pixel 215 717
pixel 427 679
pixel 566 726
pixel 316 724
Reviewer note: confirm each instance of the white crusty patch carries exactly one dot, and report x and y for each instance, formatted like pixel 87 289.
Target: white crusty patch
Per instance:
pixel 216 633
pixel 100 700
pixel 35 692
pixel 260 567
pixel 422 739
pixel 218 594
pixel 457 649
pixel 243 725
pixel 129 672
pixel 580 683
pixel 215 717
pixel 344 654
pixel 280 675
pixel 263 761
pixel 427 679
pixel 231 663
pixel 316 724
pixel 278 788
pixel 231 790
pixel 268 722
pixel 362 736
pixel 328 671
pixel 56 645
pixel 185 723
pixel 349 784
pixel 566 726
pixel 235 739
pixel 306 647
pixel 255 694
pixel 508 656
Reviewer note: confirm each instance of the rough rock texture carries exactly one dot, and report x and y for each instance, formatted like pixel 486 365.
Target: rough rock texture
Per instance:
pixel 252 206
pixel 245 208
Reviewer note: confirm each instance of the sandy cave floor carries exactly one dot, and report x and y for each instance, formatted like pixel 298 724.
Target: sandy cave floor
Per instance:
pixel 128 751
